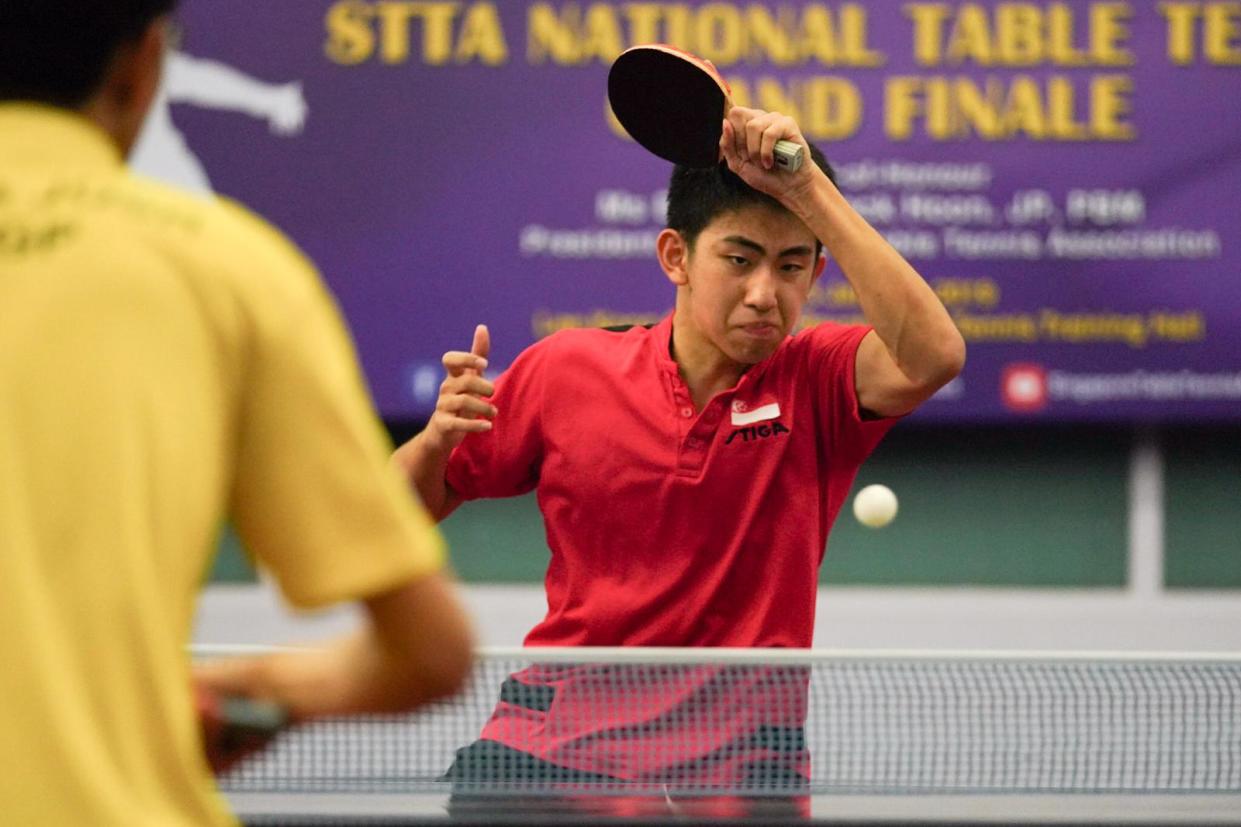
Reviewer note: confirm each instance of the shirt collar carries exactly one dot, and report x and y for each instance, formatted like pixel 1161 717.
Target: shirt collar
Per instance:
pixel 37 135
pixel 661 341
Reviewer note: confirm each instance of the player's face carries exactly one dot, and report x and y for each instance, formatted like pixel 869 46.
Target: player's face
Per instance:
pixel 748 277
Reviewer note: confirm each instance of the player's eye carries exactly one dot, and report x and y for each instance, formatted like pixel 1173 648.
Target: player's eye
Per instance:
pixel 738 261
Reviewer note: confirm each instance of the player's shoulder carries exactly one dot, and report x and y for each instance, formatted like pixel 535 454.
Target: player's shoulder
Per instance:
pixel 570 353
pixel 582 341
pixel 827 334
pixel 821 343
pixel 223 237
pixel 213 219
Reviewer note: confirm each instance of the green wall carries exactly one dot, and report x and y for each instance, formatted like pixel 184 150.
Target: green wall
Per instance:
pixel 231 563
pixel 994 507
pixel 1202 483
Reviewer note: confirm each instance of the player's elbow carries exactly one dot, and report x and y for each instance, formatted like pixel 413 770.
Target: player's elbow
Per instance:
pixel 444 667
pixel 943 361
pixel 951 356
pixel 429 673
pixel 426 640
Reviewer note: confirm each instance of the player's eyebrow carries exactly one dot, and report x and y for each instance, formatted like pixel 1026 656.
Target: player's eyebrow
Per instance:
pixel 742 241
pixel 800 250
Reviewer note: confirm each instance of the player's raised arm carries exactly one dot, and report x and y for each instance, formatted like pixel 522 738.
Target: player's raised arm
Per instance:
pixel 462 409
pixel 915 348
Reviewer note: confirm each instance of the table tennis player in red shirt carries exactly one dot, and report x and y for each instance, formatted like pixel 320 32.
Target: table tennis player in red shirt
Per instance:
pixel 689 473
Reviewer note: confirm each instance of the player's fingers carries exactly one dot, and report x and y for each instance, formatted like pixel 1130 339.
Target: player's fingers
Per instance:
pixel 754 140
pixel 761 145
pixel 475 384
pixel 734 153
pixel 784 128
pixel 466 426
pixel 726 142
pixel 234 728
pixel 737 118
pixel 469 382
pixel 772 134
pixel 742 120
pixel 781 128
pixel 226 676
pixel 457 362
pixel 734 150
pixel 211 727
pixel 482 342
pixel 467 385
pixel 463 404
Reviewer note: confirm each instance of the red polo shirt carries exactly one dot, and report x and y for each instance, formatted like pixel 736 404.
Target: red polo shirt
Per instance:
pixel 668 526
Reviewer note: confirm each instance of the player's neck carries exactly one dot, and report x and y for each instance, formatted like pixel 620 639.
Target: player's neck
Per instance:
pixel 704 368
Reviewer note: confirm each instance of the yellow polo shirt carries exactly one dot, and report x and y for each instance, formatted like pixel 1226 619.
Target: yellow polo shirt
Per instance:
pixel 165 361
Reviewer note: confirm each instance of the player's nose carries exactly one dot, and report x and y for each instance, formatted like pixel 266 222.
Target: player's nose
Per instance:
pixel 760 289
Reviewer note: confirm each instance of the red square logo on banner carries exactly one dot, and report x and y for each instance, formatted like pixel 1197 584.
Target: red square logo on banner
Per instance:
pixel 1023 387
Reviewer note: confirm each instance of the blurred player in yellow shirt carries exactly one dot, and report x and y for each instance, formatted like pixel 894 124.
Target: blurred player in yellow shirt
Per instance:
pixel 167 362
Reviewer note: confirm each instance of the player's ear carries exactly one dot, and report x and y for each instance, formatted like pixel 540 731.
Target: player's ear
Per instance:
pixel 819 266
pixel 673 254
pixel 133 80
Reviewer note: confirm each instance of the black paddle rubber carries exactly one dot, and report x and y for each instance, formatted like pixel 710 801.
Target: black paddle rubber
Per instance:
pixel 669 105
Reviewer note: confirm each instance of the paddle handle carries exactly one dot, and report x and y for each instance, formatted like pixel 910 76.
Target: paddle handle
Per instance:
pixel 788 155
pixel 234 728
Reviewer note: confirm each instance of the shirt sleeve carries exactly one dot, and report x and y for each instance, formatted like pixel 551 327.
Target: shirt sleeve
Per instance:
pixel 506 460
pixel 831 352
pixel 314 497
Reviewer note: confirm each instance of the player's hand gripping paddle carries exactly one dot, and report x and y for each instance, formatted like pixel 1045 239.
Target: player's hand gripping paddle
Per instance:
pixel 674 104
pixel 234 728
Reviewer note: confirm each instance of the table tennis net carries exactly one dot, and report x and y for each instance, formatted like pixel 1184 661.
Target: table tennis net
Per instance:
pixel 751 723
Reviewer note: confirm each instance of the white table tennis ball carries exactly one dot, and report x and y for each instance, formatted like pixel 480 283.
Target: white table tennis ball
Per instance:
pixel 874 506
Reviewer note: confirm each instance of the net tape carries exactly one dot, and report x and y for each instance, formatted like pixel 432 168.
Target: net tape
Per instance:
pixel 766 722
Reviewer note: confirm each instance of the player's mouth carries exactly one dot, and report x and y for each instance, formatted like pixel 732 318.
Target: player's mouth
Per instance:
pixel 761 330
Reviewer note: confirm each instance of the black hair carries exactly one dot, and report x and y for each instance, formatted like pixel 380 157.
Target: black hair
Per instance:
pixel 58 51
pixel 697 196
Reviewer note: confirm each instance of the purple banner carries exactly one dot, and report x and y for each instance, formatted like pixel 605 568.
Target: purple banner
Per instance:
pixel 1067 175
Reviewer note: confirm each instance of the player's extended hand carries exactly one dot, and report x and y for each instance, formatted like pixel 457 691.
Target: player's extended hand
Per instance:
pixel 234 728
pixel 462 407
pixel 748 146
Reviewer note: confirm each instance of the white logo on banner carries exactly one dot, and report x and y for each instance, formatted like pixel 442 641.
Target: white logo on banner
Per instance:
pixel 161 150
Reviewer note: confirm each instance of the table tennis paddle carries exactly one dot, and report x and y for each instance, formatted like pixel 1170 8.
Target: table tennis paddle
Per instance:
pixel 234 727
pixel 673 104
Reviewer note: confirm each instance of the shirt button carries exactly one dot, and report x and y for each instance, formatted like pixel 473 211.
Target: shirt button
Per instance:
pixel 687 412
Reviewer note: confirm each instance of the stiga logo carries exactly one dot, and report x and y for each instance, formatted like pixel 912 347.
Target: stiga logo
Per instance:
pixel 756 432
pixel 1023 387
